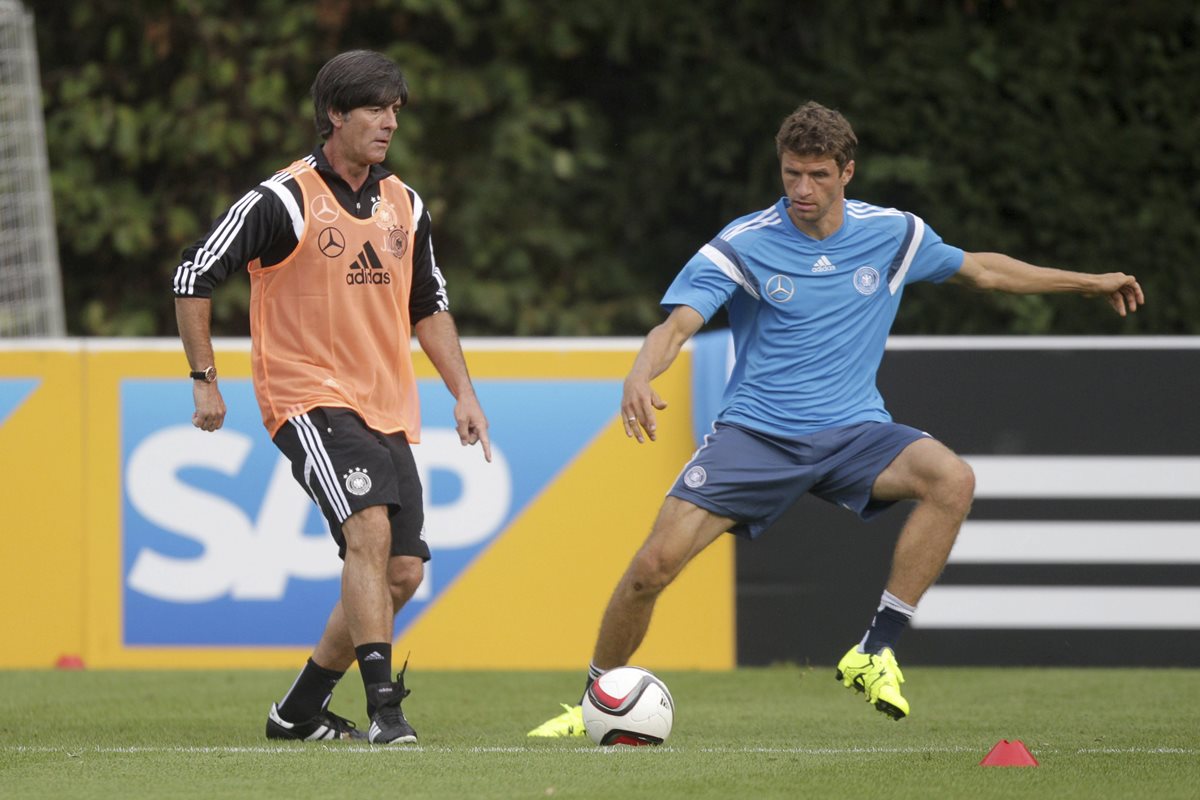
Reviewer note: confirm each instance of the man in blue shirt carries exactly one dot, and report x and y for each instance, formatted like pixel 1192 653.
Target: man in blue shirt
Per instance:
pixel 812 285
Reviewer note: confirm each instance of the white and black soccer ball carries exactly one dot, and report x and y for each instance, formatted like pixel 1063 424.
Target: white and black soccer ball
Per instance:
pixel 628 705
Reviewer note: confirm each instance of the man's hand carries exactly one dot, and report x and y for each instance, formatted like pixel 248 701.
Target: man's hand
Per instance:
pixel 210 406
pixel 472 425
pixel 638 404
pixel 1123 291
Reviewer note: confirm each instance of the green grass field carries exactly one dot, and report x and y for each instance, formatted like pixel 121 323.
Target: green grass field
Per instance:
pixel 755 733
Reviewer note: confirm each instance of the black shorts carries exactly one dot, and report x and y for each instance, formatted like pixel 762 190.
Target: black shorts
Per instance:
pixel 346 467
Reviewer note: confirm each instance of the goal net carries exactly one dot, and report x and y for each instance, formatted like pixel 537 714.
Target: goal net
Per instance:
pixel 31 302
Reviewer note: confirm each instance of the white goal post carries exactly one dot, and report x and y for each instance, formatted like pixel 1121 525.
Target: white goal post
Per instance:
pixel 31 301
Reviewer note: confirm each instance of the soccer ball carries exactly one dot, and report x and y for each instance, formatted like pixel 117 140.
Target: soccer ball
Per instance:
pixel 628 705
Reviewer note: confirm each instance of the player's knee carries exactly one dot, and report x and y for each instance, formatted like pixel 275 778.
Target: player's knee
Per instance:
pixel 404 577
pixel 955 487
pixel 651 572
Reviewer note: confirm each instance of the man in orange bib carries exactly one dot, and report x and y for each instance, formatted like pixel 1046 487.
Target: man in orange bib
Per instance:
pixel 342 273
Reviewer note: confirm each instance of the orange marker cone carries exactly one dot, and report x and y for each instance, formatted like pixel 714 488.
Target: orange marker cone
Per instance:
pixel 1009 754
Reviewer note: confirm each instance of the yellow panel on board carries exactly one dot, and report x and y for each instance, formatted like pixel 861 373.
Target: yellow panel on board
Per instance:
pixel 41 406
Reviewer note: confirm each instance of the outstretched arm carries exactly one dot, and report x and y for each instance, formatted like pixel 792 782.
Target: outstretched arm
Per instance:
pixel 1001 273
pixel 662 346
pixel 438 336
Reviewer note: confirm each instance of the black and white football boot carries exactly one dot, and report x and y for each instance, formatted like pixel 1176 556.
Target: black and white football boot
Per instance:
pixel 388 725
pixel 323 727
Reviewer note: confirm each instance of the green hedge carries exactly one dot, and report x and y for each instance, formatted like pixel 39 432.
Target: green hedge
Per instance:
pixel 574 154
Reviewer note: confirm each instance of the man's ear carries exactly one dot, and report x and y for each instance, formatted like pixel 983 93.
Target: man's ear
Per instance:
pixel 336 117
pixel 847 172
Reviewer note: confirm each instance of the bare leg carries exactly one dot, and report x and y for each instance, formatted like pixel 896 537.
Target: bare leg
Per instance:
pixel 681 531
pixel 366 600
pixel 335 650
pixel 943 486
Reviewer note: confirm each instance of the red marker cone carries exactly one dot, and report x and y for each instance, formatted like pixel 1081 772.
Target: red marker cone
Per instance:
pixel 69 661
pixel 1009 754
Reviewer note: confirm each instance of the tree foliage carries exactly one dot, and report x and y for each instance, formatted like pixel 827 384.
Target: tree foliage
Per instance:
pixel 574 154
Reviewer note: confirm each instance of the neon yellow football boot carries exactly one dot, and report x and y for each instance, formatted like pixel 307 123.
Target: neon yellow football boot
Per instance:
pixel 568 723
pixel 876 676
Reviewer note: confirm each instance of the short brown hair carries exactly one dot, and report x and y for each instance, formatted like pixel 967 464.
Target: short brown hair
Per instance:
pixel 814 130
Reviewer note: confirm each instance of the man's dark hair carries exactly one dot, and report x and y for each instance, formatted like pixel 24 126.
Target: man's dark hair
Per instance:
pixel 814 130
pixel 352 80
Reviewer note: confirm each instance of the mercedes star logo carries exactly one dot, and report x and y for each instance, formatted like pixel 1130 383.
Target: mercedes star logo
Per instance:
pixel 331 242
pixel 780 288
pixel 324 209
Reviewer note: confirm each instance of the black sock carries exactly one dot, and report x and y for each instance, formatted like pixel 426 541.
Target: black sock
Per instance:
pixel 374 662
pixel 309 693
pixel 885 630
pixel 891 618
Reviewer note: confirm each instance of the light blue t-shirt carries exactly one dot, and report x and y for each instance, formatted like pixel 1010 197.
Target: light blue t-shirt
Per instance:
pixel 810 317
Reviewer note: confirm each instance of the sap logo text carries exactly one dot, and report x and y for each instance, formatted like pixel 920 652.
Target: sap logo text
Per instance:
pixel 253 559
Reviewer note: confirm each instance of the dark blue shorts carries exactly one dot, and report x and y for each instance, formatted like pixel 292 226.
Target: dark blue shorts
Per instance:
pixel 754 477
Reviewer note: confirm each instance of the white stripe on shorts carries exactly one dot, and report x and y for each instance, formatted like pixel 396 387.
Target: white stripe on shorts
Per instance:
pixel 314 450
